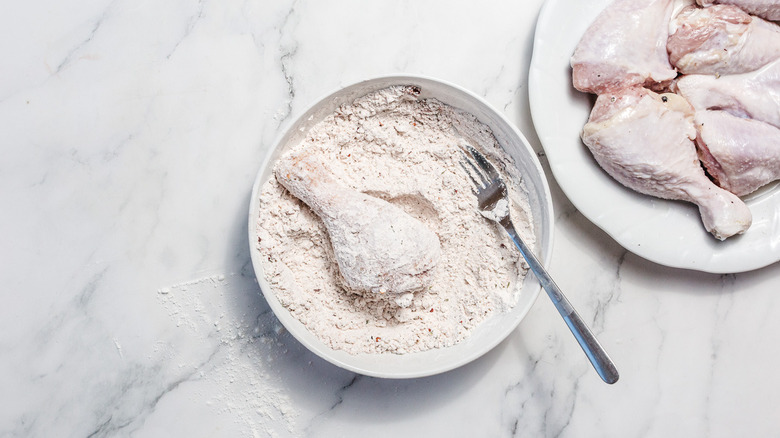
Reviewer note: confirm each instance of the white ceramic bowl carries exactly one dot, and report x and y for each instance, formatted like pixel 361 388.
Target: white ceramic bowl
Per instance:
pixel 492 331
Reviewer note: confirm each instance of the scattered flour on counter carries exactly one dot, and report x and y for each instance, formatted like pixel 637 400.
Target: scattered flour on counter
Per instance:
pixel 395 146
pixel 237 379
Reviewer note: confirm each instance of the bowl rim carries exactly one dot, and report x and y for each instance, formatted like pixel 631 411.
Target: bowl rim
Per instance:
pixel 294 326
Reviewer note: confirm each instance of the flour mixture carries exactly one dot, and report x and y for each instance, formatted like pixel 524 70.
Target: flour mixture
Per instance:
pixel 395 146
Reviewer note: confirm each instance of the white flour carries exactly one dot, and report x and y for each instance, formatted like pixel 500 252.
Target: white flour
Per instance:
pixel 394 146
pixel 237 385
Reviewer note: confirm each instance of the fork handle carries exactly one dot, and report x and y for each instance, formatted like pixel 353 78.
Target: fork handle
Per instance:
pixel 590 345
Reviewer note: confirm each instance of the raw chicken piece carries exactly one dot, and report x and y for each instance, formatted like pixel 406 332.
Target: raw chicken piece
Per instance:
pixel 754 95
pixel 741 154
pixel 645 141
pixel 720 40
pixel 766 9
pixel 379 248
pixel 625 45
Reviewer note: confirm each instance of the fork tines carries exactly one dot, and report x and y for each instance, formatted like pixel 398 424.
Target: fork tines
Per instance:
pixel 482 173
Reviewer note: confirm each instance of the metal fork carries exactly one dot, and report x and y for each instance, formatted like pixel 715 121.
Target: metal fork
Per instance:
pixel 491 191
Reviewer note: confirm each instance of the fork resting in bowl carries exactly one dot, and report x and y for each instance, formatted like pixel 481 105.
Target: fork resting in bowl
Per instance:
pixel 493 203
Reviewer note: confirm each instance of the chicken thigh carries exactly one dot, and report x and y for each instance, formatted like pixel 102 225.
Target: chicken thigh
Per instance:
pixel 645 141
pixel 720 40
pixel 625 45
pixel 742 155
pixel 766 9
pixel 754 95
pixel 379 248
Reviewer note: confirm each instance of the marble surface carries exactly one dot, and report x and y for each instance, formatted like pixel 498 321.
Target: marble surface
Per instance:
pixel 131 134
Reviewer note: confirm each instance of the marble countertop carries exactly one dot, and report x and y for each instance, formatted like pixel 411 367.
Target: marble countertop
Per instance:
pixel 132 132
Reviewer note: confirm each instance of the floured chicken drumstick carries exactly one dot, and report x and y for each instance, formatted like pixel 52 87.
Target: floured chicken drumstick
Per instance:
pixel 645 141
pixel 721 40
pixel 379 248
pixel 754 95
pixel 625 46
pixel 766 9
pixel 741 154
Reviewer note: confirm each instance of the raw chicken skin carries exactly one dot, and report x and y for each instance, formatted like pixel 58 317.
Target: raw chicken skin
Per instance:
pixel 721 40
pixel 379 248
pixel 625 45
pixel 742 155
pixel 754 95
pixel 645 141
pixel 766 9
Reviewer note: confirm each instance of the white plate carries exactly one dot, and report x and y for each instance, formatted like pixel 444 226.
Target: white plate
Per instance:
pixel 493 330
pixel 666 232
